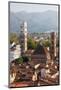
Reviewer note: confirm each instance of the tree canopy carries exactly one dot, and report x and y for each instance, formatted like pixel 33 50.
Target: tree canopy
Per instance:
pixel 31 43
pixel 46 43
pixel 14 38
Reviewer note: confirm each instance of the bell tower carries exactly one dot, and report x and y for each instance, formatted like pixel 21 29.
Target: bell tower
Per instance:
pixel 23 37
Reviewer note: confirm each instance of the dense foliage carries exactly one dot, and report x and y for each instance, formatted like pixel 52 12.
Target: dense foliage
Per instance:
pixel 31 43
pixel 22 59
pixel 14 38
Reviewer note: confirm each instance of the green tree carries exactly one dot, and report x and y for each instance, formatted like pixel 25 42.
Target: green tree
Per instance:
pixel 19 60
pixel 22 59
pixel 14 38
pixel 46 43
pixel 31 43
pixel 25 58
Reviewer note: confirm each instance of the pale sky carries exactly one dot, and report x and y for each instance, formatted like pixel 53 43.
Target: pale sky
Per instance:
pixel 17 7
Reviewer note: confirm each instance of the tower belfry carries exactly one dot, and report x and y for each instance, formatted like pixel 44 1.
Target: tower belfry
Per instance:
pixel 23 37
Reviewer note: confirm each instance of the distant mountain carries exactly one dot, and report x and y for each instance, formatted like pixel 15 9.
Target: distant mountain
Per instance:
pixel 37 21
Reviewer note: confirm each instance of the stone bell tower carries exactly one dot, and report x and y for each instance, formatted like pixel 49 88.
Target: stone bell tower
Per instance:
pixel 23 37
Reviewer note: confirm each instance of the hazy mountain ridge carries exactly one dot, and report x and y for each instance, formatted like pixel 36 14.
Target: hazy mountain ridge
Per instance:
pixel 37 21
